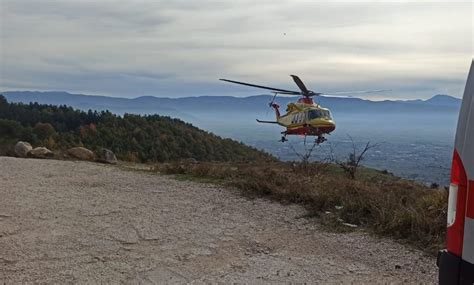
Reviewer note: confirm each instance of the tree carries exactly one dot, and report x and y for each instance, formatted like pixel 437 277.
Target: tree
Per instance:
pixel 306 156
pixel 43 130
pixel 352 163
pixel 10 128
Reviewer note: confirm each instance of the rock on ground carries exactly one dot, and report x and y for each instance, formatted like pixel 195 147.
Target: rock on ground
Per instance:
pixel 81 222
pixel 106 156
pixel 40 152
pixel 81 153
pixel 22 148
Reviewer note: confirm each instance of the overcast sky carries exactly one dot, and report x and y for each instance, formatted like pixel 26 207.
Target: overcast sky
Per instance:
pixel 180 48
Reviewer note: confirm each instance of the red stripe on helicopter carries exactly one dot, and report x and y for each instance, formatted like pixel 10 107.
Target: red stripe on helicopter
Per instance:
pixel 310 131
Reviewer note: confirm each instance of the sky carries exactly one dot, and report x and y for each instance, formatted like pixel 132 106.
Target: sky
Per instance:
pixel 177 48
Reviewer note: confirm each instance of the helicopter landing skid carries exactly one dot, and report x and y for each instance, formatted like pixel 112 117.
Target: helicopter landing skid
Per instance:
pixel 317 141
pixel 320 140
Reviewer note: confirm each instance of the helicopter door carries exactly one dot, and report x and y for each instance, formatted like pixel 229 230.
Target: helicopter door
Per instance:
pixel 305 117
pixel 302 118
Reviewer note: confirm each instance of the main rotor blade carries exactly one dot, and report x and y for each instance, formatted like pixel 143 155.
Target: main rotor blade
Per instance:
pixel 300 84
pixel 263 87
pixel 355 92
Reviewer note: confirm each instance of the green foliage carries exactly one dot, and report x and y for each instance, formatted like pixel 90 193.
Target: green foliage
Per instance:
pixel 43 130
pixel 149 138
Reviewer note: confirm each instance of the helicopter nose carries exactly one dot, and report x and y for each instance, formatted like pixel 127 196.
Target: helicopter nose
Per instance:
pixel 330 126
pixel 329 129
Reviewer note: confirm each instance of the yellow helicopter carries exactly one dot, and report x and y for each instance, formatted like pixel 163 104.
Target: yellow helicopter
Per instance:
pixel 303 117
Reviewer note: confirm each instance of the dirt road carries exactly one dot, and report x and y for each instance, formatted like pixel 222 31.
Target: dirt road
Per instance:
pixel 78 222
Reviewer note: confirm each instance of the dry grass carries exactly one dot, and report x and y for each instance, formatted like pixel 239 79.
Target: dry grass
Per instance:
pixel 377 201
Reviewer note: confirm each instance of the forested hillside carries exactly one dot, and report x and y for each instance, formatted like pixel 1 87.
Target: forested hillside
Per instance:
pixel 131 137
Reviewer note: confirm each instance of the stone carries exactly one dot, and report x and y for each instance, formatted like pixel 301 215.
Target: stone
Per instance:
pixel 22 148
pixel 40 152
pixel 81 153
pixel 106 156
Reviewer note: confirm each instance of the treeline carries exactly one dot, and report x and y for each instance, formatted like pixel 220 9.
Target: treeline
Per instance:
pixel 131 137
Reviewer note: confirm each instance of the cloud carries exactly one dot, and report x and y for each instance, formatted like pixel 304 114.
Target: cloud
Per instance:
pixel 180 48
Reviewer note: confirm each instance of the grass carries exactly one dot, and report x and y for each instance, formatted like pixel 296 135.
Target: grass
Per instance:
pixel 377 201
pixel 199 179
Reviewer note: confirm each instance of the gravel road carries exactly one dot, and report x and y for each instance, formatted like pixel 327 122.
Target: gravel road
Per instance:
pixel 78 222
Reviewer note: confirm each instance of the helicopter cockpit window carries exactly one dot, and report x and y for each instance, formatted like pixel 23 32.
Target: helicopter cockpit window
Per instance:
pixel 327 114
pixel 316 114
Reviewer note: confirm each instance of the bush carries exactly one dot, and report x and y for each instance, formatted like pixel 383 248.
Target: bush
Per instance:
pixel 43 131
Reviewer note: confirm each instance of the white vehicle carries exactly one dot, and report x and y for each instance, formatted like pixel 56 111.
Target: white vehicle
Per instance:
pixel 456 262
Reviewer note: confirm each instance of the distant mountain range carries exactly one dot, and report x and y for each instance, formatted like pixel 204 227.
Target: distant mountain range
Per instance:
pixel 188 107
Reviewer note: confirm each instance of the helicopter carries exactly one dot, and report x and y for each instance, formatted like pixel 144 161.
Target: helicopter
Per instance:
pixel 302 117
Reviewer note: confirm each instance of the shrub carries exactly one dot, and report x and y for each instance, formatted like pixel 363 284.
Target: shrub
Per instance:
pixel 43 130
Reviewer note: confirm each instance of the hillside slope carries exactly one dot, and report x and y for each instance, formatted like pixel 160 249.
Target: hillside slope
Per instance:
pixel 77 222
pixel 132 137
